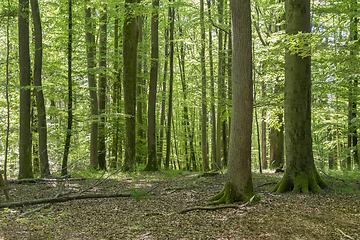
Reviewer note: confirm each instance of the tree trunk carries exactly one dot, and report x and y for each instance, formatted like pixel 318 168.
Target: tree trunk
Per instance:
pixel 204 144
pixel 163 99
pixel 300 174
pixel 70 98
pixel 25 164
pixel 212 88
pixel 152 164
pixel 102 88
pixel 239 185
pixel 90 55
pixel 130 43
pixel 168 129
pixel 7 94
pixel 263 132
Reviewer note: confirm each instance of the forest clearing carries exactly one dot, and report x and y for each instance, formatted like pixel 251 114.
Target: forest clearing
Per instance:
pixel 151 213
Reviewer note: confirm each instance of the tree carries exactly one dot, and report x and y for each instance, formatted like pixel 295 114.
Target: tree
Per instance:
pixel 70 98
pixel 130 43
pixel 90 55
pixel 239 186
pixel 171 84
pixel 25 165
pixel 152 164
pixel 300 174
pixel 204 143
pixel 102 88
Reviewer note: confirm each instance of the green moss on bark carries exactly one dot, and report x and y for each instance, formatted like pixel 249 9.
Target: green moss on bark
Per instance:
pixel 303 181
pixel 229 195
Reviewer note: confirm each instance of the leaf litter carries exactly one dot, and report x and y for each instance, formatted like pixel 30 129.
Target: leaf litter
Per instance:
pixel 151 212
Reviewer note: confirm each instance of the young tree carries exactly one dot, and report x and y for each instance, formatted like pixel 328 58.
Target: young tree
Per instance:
pixel 102 88
pixel 152 164
pixel 204 142
pixel 25 165
pixel 90 55
pixel 300 174
pixel 40 105
pixel 70 98
pixel 130 43
pixel 239 186
pixel 171 82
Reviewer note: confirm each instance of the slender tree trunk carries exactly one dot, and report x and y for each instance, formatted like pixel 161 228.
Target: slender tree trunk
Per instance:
pixel 90 55
pixel 70 98
pixel 219 133
pixel 130 44
pixel 263 131
pixel 40 105
pixel 25 164
pixel 239 185
pixel 204 144
pixel 116 96
pixel 102 88
pixel 163 99
pixel 212 88
pixel 152 164
pixel 168 129
pixel 7 94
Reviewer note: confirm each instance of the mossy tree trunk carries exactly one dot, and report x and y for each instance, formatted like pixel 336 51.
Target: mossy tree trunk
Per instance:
pixel 239 186
pixel 301 174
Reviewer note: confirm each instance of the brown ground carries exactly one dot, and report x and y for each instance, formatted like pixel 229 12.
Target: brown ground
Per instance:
pixel 285 216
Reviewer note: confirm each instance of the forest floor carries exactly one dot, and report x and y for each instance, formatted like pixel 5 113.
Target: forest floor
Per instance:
pixel 151 212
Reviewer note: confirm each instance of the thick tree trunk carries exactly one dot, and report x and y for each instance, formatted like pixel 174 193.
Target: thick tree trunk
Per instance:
pixel 90 55
pixel 25 164
pixel 130 43
pixel 152 164
pixel 239 185
pixel 300 174
pixel 70 98
pixel 102 88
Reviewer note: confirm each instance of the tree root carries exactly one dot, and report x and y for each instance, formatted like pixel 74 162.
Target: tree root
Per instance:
pixel 300 182
pixel 227 195
pixel 217 207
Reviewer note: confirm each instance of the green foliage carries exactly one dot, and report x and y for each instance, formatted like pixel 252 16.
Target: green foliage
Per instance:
pixel 343 182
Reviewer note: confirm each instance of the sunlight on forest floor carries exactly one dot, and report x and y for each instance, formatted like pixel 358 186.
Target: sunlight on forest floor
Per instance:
pixel 151 212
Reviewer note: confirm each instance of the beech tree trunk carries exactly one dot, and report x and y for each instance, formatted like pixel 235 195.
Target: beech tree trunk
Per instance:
pixel 90 55
pixel 239 186
pixel 70 98
pixel 204 142
pixel 102 88
pixel 25 164
pixel 152 164
pixel 130 46
pixel 300 174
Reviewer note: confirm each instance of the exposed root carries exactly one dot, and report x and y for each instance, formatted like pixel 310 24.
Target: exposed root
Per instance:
pixel 300 182
pixel 227 195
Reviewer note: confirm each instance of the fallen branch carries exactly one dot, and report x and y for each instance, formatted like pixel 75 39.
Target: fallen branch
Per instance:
pixel 62 199
pixel 36 180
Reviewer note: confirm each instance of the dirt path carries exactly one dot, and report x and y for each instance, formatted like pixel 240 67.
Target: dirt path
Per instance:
pixel 285 216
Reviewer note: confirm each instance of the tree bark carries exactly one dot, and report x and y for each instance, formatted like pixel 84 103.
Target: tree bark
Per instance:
pixel 212 88
pixel 239 186
pixel 204 142
pixel 25 164
pixel 171 83
pixel 70 98
pixel 152 164
pixel 102 88
pixel 130 45
pixel 300 174
pixel 90 55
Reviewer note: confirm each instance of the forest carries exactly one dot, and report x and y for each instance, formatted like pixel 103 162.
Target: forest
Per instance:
pixel 169 119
